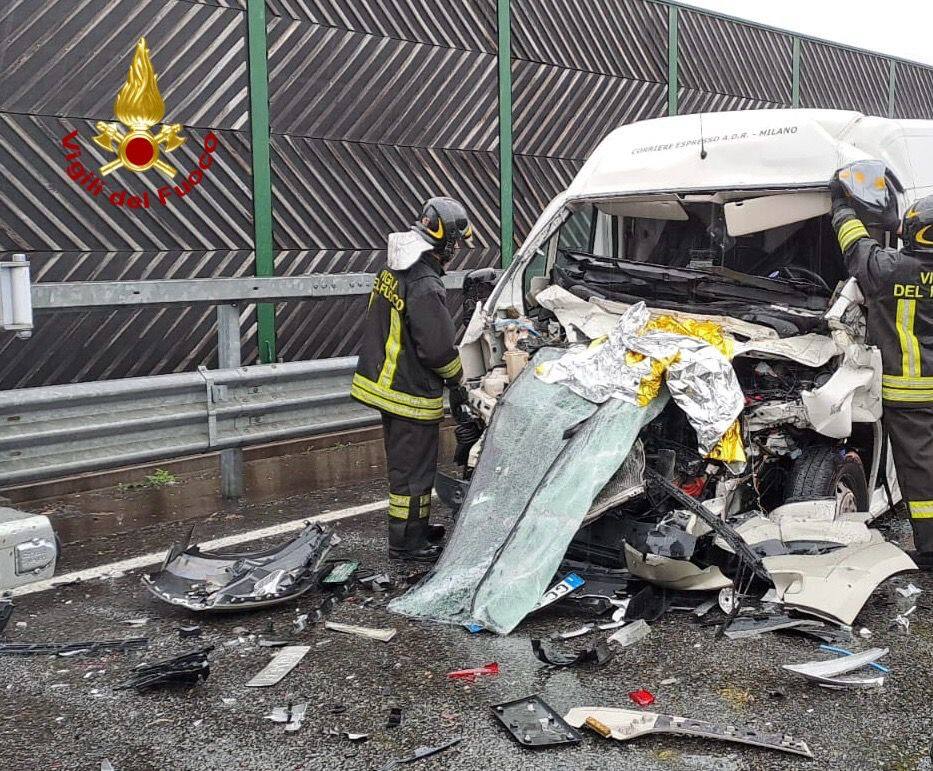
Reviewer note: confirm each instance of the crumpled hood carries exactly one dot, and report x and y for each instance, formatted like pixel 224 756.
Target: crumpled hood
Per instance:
pixel 405 248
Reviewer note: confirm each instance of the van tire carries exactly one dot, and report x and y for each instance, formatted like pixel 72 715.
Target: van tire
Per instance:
pixel 824 471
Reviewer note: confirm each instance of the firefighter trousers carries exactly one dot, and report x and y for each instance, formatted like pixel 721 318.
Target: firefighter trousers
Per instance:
pixel 910 430
pixel 411 459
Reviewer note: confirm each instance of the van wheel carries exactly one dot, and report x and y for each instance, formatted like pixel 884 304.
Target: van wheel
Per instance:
pixel 822 472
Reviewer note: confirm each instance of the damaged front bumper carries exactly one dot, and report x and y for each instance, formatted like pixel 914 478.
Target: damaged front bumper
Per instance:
pixel 208 581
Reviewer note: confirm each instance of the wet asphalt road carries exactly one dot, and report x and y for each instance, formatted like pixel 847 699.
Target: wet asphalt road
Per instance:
pixel 63 713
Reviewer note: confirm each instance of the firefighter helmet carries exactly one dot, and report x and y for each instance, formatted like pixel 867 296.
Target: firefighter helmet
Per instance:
pixel 444 224
pixel 917 228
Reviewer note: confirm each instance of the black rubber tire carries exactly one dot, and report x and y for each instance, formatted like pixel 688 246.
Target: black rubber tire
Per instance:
pixel 819 469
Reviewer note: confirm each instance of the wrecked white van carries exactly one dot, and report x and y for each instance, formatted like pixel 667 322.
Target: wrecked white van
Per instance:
pixel 711 233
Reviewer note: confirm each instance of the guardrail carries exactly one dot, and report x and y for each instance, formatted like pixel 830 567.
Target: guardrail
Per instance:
pixel 55 431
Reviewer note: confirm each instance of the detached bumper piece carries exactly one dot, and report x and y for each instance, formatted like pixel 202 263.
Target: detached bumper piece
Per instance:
pixel 73 649
pixel 185 670
pixel 242 580
pixel 625 724
pixel 534 723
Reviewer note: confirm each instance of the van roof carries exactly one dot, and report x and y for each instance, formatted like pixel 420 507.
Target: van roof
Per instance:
pixel 753 149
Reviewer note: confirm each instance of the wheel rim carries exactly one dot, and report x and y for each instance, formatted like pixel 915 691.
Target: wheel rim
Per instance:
pixel 846 502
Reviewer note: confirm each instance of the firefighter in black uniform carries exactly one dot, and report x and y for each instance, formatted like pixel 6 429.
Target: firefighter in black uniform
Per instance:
pixel 898 289
pixel 408 355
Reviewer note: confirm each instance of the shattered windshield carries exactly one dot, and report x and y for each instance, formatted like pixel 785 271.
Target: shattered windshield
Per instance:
pixel 620 257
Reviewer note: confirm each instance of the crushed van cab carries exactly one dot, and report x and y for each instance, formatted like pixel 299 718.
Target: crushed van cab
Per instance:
pixel 673 375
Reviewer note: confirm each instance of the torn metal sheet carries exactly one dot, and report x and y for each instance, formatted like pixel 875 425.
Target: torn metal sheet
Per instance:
pixel 73 648
pixel 420 753
pixel 811 350
pixel 528 496
pixel 750 626
pixel 370 633
pixel 836 585
pixel 598 654
pixel 626 724
pixel 282 663
pixel 242 580
pixel 831 668
pixel 188 669
pixel 852 394
pixel 674 574
pixel 534 723
pixel 292 715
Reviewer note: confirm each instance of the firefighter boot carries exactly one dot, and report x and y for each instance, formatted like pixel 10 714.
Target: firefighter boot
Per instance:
pixel 408 540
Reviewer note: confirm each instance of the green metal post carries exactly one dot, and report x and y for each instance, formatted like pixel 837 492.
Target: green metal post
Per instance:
pixel 892 87
pixel 262 174
pixel 795 75
pixel 505 132
pixel 673 53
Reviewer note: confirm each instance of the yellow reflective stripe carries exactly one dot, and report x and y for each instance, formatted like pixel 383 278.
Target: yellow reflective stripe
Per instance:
pixel 898 381
pixel 910 346
pixel 399 512
pixel 393 346
pixel 396 402
pixel 850 232
pixel 399 500
pixel 898 395
pixel 921 509
pixel 451 369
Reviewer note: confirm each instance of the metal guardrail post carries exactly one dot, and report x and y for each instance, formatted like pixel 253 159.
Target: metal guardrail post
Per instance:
pixel 229 356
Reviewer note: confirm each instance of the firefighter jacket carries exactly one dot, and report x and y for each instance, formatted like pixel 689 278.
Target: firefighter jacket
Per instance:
pixel 408 350
pixel 898 290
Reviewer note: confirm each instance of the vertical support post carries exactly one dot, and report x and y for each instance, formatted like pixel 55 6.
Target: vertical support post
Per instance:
pixel 506 232
pixel 673 55
pixel 892 86
pixel 795 75
pixel 262 174
pixel 229 356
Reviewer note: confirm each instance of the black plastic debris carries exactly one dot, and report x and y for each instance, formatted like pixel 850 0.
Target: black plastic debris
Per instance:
pixel 241 580
pixel 451 491
pixel 186 632
pixel 188 669
pixel 534 723
pixel 376 582
pixel 648 603
pixel 6 610
pixel 395 717
pixel 598 654
pixel 420 754
pixel 73 648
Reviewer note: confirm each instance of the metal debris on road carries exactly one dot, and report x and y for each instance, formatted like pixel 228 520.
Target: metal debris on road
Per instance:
pixel 377 582
pixel 420 754
pixel 188 669
pixel 626 724
pixel 282 663
pixel 186 632
pixel 370 633
pixel 135 621
pixel 487 670
pixel 908 591
pixel 292 715
pixel 597 654
pixel 534 723
pixel 74 648
pixel 631 633
pixel 755 626
pixel 239 581
pixel 828 673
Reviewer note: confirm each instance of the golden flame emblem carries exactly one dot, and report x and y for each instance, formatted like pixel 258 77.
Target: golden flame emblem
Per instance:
pixel 139 106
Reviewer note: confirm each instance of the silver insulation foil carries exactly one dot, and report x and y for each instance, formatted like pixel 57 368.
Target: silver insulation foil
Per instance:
pixel 701 380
